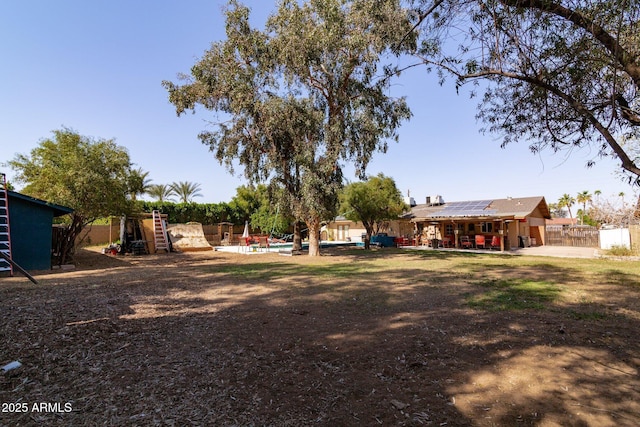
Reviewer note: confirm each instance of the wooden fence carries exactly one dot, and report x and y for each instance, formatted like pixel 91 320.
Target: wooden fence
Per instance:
pixel 587 237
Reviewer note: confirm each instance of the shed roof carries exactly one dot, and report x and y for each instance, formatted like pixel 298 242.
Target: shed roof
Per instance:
pixel 512 207
pixel 58 210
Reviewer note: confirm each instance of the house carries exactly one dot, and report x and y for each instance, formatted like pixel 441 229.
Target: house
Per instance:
pixel 343 229
pixel 562 222
pixel 30 229
pixel 514 221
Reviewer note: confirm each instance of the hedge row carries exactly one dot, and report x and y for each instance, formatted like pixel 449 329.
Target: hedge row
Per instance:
pixel 204 213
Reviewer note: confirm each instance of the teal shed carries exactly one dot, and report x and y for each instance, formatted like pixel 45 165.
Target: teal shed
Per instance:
pixel 31 229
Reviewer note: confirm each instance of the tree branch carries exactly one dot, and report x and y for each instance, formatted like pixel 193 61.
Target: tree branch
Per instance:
pixel 626 60
pixel 421 18
pixel 627 162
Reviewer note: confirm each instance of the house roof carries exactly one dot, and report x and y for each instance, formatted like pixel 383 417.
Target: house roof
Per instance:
pixel 562 221
pixel 58 210
pixel 510 208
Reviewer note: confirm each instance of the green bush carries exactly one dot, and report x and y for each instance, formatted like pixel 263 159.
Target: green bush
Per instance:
pixel 204 213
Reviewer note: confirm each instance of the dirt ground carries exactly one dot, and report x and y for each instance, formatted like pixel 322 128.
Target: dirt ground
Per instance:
pixel 209 338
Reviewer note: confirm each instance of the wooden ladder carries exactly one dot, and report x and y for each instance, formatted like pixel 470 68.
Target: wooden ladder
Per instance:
pixel 159 233
pixel 5 230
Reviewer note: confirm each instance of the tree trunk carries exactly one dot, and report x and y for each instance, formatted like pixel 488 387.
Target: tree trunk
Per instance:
pixel 297 237
pixel 314 236
pixel 69 239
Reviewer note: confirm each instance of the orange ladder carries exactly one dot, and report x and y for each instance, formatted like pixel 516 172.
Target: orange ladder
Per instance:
pixel 159 233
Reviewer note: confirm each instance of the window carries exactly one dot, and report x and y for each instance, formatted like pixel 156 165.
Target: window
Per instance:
pixel 472 227
pixel 448 229
pixel 343 232
pixel 486 227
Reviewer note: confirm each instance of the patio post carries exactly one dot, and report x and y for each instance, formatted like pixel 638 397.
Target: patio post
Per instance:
pixel 506 233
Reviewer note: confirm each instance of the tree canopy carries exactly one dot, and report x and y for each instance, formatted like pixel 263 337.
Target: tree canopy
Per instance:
pixel 557 74
pixel 256 205
pixel 304 95
pixel 374 202
pixel 91 176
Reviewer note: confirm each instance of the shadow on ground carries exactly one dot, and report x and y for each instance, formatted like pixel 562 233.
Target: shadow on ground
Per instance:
pixel 211 339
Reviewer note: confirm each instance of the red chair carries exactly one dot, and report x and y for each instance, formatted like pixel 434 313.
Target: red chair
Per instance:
pixel 480 241
pixel 402 241
pixel 495 242
pixel 466 242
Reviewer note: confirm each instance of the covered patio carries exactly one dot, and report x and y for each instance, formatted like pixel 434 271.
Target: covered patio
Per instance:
pixel 499 224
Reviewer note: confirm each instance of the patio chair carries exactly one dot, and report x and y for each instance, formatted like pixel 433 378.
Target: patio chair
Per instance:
pixel 446 242
pixel 495 242
pixel 263 243
pixel 465 242
pixel 480 241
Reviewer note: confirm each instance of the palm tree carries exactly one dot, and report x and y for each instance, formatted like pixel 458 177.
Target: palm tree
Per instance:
pixel 186 190
pixel 583 198
pixel 139 183
pixel 161 192
pixel 566 201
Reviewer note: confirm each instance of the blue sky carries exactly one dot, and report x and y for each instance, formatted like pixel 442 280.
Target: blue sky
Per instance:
pixel 97 67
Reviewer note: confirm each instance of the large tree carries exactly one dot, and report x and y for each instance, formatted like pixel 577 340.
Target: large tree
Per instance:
pixel 247 201
pixel 304 95
pixel 558 74
pixel 256 204
pixel 91 176
pixel 373 202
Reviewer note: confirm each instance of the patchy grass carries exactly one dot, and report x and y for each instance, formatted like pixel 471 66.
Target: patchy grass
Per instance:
pixel 514 294
pixel 588 315
pixel 262 271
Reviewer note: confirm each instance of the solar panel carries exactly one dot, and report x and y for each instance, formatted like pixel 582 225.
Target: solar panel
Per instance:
pixel 464 209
